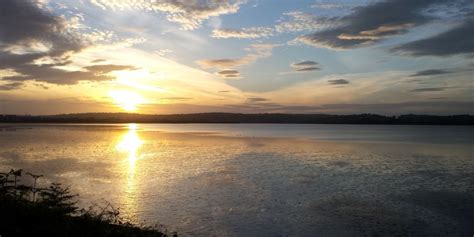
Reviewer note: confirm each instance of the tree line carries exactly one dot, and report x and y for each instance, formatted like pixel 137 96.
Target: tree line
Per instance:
pixel 408 119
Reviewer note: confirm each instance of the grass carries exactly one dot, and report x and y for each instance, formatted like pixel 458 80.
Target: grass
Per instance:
pixel 53 211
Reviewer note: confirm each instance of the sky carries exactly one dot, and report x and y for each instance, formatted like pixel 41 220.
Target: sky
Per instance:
pixel 249 56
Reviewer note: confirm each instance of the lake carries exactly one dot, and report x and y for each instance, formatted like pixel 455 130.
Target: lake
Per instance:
pixel 261 179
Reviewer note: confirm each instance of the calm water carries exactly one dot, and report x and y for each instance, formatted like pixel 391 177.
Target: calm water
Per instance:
pixel 262 179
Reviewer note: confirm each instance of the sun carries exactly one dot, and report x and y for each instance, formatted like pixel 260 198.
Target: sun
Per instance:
pixel 127 100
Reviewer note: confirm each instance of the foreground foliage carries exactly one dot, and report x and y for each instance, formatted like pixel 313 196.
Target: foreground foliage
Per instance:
pixel 53 211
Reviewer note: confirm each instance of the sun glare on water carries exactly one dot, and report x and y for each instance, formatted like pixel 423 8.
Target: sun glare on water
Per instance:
pixel 130 143
pixel 127 100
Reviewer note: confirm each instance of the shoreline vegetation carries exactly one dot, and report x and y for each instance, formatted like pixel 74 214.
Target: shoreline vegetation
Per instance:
pixel 30 210
pixel 408 119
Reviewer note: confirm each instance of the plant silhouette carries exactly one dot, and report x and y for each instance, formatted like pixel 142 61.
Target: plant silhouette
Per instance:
pixel 34 189
pixel 55 212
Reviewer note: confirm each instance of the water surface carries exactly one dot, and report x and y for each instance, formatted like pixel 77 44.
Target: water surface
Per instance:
pixel 261 179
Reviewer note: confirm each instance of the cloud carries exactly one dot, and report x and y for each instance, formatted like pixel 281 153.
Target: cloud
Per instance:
pixel 163 52
pixel 223 62
pixel 338 82
pixel 256 99
pixel 375 34
pixel 176 98
pixel 459 40
pixel 35 44
pixel 305 66
pixel 30 33
pixel 11 86
pixel 307 69
pixel 47 73
pixel 42 86
pixel 372 23
pixel 294 21
pixel 229 73
pixel 257 51
pixel 430 89
pixel 189 14
pixel 24 25
pixel 106 68
pixel 300 21
pixel 98 60
pixel 244 33
pixel 430 72
pixel 330 6
pixel 55 76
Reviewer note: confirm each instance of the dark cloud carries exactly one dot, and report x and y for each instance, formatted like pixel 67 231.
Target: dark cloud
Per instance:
pixel 220 63
pixel 46 73
pixel 98 60
pixel 232 76
pixel 54 75
pixel 24 23
pixel 42 86
pixel 372 23
pixel 430 89
pixel 230 73
pixel 414 80
pixel 11 86
pixel 256 99
pixel 459 40
pixel 307 69
pixel 106 68
pixel 13 60
pixel 223 91
pixel 29 33
pixel 338 82
pixel 305 66
pixel 430 72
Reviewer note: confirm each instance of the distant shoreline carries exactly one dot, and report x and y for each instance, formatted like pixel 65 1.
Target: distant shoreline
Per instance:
pixel 236 118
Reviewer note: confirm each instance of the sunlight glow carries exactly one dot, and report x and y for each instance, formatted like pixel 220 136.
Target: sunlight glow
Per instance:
pixel 140 86
pixel 127 100
pixel 138 79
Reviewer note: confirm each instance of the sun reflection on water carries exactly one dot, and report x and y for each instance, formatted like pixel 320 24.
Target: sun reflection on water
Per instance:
pixel 130 143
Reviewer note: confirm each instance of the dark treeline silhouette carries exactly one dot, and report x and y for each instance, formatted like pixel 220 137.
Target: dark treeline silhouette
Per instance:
pixel 242 118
